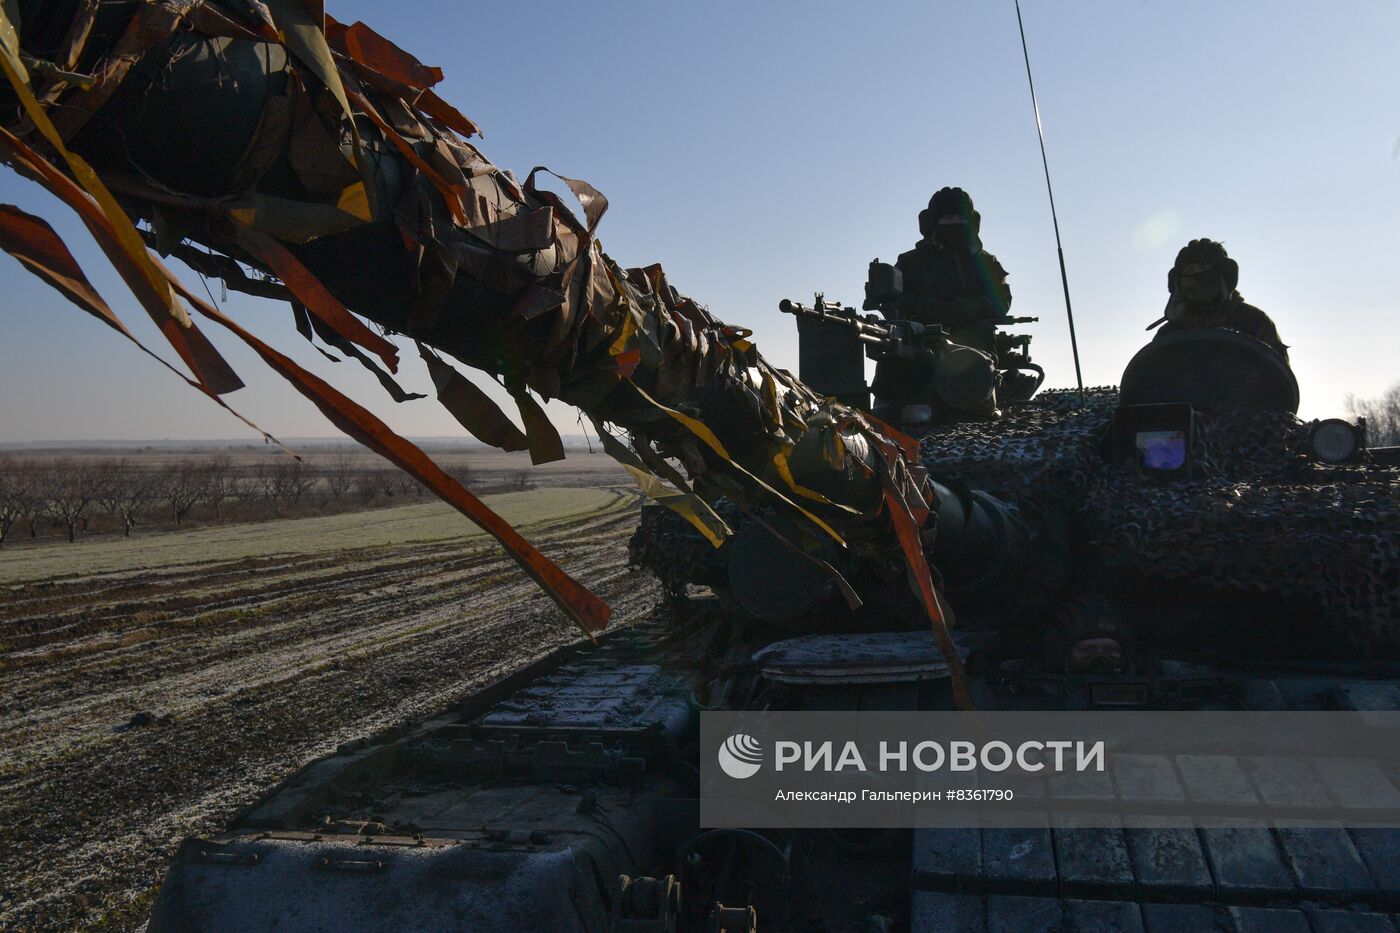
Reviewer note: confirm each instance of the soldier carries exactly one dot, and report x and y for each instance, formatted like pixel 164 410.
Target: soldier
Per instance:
pixel 1202 285
pixel 949 279
pixel 1091 637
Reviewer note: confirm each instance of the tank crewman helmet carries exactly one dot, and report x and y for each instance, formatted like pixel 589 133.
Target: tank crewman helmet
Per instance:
pixel 1200 256
pixel 948 203
pixel 1091 636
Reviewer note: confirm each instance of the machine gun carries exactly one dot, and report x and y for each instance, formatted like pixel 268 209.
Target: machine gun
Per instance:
pixel 921 374
pixel 903 340
pixel 1018 377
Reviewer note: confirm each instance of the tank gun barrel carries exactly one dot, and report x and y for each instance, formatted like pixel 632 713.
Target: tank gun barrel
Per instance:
pixel 320 157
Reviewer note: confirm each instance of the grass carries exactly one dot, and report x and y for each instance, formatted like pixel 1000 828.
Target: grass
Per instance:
pixel 431 521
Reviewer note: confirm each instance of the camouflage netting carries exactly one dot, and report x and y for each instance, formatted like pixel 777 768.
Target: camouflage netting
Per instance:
pixel 267 136
pixel 1258 515
pixel 666 546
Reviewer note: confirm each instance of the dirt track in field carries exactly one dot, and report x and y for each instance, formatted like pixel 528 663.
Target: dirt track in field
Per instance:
pixel 262 664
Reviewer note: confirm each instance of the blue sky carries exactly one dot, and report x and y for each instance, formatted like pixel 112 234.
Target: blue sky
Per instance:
pixel 762 151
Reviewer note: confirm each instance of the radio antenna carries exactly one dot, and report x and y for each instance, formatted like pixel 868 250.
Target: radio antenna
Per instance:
pixel 1064 279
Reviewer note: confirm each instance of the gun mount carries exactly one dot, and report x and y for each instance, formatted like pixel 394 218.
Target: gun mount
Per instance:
pixel 922 375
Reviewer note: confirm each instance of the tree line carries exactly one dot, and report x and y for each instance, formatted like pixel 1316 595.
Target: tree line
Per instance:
pixel 73 496
pixel 1382 416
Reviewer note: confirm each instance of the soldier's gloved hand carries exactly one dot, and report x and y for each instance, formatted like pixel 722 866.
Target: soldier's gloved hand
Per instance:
pixel 908 331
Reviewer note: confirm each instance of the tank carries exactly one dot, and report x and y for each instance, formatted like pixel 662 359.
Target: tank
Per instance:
pixel 1181 542
pixel 1238 558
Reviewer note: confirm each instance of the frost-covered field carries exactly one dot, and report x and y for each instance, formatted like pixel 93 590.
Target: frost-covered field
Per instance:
pixel 150 688
pixel 306 537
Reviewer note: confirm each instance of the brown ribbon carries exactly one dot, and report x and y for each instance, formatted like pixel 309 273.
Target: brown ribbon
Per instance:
pixel 586 609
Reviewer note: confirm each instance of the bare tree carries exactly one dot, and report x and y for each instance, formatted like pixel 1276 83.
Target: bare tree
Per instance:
pixel 461 471
pixel 405 483
pixel 340 475
pixel 221 483
pixel 22 495
pixel 266 484
pixel 284 481
pixel 181 487
pixel 520 480
pixel 15 495
pixel 35 503
pixel 366 486
pixel 295 480
pixel 321 492
pixel 126 491
pixel 387 479
pixel 70 487
pixel 1382 416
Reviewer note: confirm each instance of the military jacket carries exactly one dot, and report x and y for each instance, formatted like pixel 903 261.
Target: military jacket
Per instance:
pixel 1233 313
pixel 952 287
